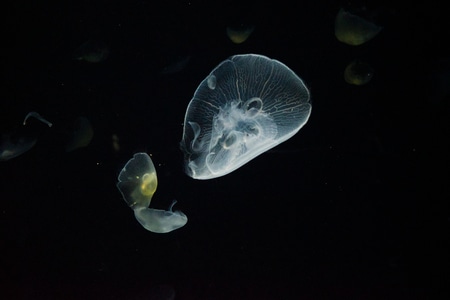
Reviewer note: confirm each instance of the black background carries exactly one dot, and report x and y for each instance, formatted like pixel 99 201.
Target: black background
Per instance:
pixel 354 206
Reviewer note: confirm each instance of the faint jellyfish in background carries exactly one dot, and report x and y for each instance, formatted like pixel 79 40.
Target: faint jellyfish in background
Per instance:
pixel 16 143
pixel 354 30
pixel 12 145
pixel 176 65
pixel 239 34
pixel 138 183
pixel 115 142
pixel 93 51
pixel 247 105
pixel 81 134
pixel 358 72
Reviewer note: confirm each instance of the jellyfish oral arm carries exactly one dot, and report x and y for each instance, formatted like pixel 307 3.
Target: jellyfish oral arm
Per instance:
pixel 37 116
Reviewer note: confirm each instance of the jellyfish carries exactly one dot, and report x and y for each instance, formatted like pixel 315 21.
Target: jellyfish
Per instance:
pixel 358 72
pixel 82 134
pixel 239 34
pixel 247 105
pixel 13 145
pixel 137 184
pixel 354 30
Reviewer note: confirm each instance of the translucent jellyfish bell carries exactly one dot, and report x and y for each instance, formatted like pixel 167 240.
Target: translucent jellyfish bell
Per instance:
pixel 240 33
pixel 247 105
pixel 354 30
pixel 358 72
pixel 137 183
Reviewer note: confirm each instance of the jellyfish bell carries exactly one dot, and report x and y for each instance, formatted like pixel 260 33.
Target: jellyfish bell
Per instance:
pixel 13 145
pixel 239 34
pixel 354 30
pixel 358 72
pixel 137 182
pixel 247 105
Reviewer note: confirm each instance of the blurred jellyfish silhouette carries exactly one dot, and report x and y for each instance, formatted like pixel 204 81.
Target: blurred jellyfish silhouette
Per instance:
pixel 115 143
pixel 92 51
pixel 239 34
pixel 81 134
pixel 358 72
pixel 176 65
pixel 353 29
pixel 13 144
pixel 247 105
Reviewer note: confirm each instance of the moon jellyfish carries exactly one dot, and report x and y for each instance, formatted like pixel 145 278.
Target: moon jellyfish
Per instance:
pixel 37 116
pixel 354 30
pixel 138 183
pixel 239 34
pixel 247 105
pixel 358 73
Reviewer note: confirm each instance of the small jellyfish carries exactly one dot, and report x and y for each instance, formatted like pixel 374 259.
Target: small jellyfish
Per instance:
pixel 247 105
pixel 115 142
pixel 358 72
pixel 82 134
pixel 138 183
pixel 354 30
pixel 240 33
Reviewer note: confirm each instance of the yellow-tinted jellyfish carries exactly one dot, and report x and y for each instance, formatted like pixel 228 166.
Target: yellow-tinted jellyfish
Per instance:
pixel 358 72
pixel 354 30
pixel 239 34
pixel 137 184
